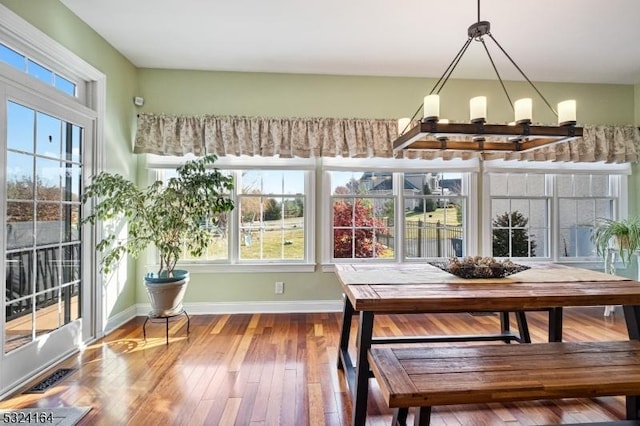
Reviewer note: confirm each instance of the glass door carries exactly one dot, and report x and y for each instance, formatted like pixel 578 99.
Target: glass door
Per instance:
pixel 46 294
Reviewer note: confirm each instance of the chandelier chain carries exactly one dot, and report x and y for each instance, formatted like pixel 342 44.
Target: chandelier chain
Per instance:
pixel 493 64
pixel 523 75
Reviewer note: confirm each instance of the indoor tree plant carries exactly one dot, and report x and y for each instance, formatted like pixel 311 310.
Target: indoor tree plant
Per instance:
pixel 621 234
pixel 168 215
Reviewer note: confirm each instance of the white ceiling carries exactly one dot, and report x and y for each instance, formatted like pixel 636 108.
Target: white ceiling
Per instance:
pixel 592 41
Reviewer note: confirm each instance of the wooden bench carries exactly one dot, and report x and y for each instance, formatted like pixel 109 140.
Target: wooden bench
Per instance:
pixel 424 377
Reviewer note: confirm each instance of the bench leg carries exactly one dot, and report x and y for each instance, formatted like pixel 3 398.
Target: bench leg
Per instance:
pixel 423 416
pixel 399 417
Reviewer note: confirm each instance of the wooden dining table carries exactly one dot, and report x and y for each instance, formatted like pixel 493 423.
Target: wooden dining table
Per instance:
pixel 422 288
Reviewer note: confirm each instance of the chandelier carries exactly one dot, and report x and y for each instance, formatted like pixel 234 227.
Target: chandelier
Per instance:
pixel 434 133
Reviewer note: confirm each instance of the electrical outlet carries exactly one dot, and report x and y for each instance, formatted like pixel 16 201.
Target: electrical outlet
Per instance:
pixel 279 287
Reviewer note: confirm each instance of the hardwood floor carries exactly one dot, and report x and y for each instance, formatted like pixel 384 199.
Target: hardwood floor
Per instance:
pixel 280 369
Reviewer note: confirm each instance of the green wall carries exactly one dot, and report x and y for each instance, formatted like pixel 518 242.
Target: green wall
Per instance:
pixel 285 95
pixel 289 95
pixel 295 95
pixel 55 20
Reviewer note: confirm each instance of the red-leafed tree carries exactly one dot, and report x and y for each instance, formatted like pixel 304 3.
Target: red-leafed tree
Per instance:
pixel 359 225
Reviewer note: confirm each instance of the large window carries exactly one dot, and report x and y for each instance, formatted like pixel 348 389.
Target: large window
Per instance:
pixel 543 214
pixel 395 210
pixel 272 221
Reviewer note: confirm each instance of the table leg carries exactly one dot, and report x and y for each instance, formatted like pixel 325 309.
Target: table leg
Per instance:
pixel 399 417
pixel 345 332
pixel 631 317
pixel 555 325
pixel 505 327
pixel 633 410
pixel 422 416
pixel 361 388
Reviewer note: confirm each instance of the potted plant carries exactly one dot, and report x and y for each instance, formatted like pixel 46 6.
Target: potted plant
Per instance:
pixel 168 215
pixel 622 235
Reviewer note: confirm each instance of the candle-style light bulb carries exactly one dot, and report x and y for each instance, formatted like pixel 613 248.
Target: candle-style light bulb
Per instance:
pixel 478 109
pixel 403 125
pixel 567 113
pixel 431 107
pixel 523 110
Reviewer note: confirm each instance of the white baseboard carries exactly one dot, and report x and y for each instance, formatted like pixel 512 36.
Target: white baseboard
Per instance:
pixel 295 306
pixel 119 319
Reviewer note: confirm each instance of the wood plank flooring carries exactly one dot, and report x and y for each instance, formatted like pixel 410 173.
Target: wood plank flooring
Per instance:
pixel 280 369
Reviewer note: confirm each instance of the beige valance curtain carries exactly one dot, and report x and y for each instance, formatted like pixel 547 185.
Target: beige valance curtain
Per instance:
pixel 333 137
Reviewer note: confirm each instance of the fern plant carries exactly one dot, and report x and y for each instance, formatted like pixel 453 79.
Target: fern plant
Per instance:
pixel 623 234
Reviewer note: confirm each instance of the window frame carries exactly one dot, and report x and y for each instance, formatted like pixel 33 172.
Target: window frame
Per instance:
pixel 233 263
pixel 469 168
pixel 618 172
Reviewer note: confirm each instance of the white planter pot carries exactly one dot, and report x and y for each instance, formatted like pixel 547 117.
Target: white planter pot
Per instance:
pixel 166 294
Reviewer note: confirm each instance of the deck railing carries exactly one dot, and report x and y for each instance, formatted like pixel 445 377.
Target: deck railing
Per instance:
pixel 47 268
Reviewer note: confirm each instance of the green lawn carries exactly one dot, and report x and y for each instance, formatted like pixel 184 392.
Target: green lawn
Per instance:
pixel 277 244
pixel 446 216
pixel 274 244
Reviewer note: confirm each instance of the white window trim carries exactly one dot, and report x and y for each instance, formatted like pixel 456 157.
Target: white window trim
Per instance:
pixel 399 165
pixel 554 167
pixel 40 47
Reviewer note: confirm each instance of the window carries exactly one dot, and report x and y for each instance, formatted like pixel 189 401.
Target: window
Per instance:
pixel 434 211
pixel 538 214
pixel 383 210
pixel 581 200
pixel 363 206
pixel 34 69
pixel 519 215
pixel 218 250
pixel 43 187
pixel 271 207
pixel 272 221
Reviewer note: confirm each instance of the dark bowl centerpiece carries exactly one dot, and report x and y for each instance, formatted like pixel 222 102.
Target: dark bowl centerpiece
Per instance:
pixel 480 267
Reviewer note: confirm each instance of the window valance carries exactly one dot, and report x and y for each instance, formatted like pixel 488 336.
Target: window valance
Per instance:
pixel 344 137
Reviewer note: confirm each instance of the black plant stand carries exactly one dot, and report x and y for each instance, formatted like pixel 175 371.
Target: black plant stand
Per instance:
pixel 152 317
